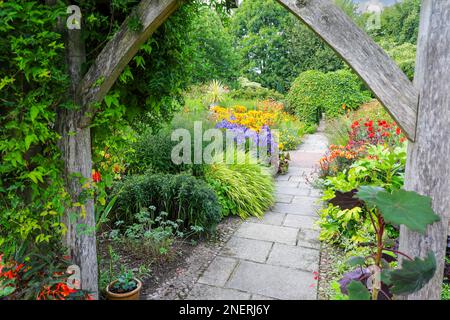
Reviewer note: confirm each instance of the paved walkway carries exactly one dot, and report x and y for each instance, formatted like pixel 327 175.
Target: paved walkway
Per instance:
pixel 275 257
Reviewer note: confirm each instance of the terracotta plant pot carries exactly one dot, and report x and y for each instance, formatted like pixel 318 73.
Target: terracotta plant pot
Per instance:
pixel 132 295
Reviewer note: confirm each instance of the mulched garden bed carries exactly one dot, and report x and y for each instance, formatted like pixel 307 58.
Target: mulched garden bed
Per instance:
pixel 173 277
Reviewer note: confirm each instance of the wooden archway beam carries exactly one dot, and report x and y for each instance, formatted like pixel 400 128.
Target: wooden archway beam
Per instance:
pixel 381 74
pixel 119 51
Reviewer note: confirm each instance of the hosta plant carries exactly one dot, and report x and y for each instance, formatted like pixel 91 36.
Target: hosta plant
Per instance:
pixel 375 278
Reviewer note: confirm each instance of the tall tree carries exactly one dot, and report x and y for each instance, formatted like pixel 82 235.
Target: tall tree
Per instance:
pixel 259 29
pixel 275 47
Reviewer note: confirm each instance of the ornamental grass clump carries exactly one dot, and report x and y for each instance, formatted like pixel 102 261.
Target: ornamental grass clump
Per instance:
pixel 243 189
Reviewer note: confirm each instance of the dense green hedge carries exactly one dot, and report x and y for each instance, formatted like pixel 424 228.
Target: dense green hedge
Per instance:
pixel 181 196
pixel 314 92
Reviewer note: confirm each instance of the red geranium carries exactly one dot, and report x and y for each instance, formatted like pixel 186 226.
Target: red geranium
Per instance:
pixel 96 177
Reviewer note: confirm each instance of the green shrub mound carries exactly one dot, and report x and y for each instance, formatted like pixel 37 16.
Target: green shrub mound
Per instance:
pixel 314 92
pixel 243 189
pixel 255 93
pixel 152 151
pixel 183 197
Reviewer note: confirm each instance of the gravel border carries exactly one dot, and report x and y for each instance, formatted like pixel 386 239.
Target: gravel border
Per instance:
pixel 329 256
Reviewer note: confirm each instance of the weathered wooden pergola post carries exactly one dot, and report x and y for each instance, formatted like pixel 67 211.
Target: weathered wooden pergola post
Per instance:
pixel 425 121
pixel 428 166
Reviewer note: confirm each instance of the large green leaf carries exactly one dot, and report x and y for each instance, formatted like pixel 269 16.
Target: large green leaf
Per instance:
pixel 357 291
pixel 413 275
pixel 368 194
pixel 407 208
pixel 356 261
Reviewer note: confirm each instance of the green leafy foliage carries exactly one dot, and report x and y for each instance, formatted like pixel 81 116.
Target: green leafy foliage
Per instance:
pixel 358 291
pixel 152 150
pixel 401 207
pixel 356 261
pixel 314 92
pixel 403 54
pixel 33 83
pixel 383 168
pixel 124 283
pixel 369 194
pixel 255 93
pixel 243 189
pixel 413 275
pixel 400 22
pixel 183 197
pixel 274 46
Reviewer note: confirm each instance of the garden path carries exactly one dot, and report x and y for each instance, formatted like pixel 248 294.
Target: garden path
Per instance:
pixel 274 257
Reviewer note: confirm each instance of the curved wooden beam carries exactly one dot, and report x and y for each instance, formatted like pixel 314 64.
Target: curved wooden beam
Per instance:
pixel 381 74
pixel 118 52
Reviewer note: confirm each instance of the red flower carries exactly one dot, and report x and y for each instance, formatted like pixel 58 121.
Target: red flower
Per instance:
pixel 371 135
pixel 398 131
pixel 369 123
pixel 355 125
pixel 9 274
pixel 96 176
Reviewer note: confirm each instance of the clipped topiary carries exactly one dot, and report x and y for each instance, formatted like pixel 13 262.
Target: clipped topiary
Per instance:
pixel 314 92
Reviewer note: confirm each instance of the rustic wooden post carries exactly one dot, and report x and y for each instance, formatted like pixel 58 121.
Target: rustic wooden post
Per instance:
pixel 428 165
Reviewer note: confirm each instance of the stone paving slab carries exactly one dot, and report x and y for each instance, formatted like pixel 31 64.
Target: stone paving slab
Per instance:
pixel 299 221
pixel 218 271
pixel 294 257
pixel 308 244
pixel 273 281
pixel 288 184
pixel 260 297
pixel 306 209
pixel 306 160
pixel 284 198
pixel 272 218
pixel 258 231
pixel 247 249
pixel 309 235
pixel 292 191
pixel 206 292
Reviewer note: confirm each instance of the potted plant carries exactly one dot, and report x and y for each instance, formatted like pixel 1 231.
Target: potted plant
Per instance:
pixel 125 287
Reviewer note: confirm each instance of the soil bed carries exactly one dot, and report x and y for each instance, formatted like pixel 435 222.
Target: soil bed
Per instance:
pixel 170 278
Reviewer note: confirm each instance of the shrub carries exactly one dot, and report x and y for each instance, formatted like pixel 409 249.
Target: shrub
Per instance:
pixel 403 54
pixel 314 92
pixel 183 197
pixel 243 189
pixel 255 93
pixel 153 149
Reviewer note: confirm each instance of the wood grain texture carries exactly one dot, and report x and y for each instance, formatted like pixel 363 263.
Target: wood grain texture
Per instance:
pixel 75 146
pixel 428 165
pixel 387 81
pixel 121 49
